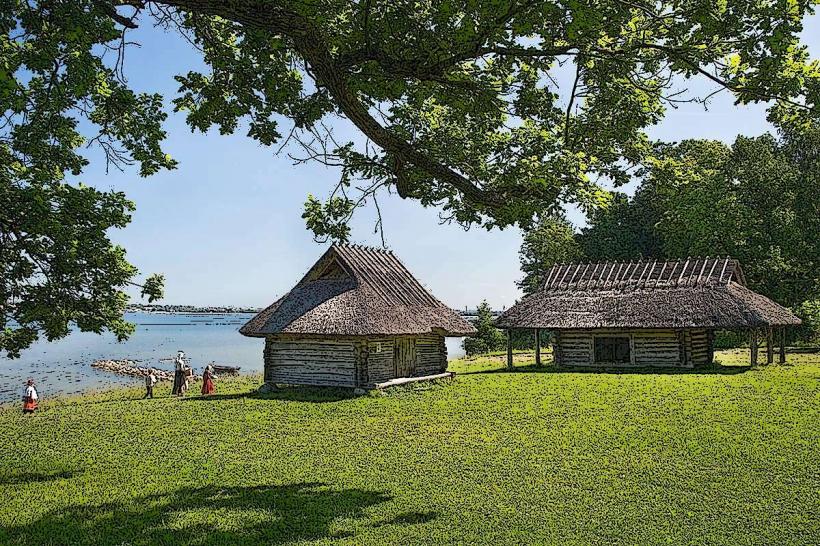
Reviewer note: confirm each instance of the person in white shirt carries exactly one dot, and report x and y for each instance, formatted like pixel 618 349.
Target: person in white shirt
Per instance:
pixel 179 374
pixel 29 397
pixel 150 381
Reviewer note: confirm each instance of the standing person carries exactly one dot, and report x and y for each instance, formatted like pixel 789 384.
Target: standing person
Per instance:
pixel 150 381
pixel 29 397
pixel 179 374
pixel 208 380
pixel 183 388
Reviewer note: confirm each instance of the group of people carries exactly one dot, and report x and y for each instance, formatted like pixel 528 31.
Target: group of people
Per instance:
pixel 182 376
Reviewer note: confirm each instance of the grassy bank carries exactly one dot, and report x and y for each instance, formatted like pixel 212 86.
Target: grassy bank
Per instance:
pixel 726 456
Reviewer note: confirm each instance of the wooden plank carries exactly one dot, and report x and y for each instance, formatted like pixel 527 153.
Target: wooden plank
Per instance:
pixel 782 356
pixel 405 380
pixel 769 346
pixel 753 348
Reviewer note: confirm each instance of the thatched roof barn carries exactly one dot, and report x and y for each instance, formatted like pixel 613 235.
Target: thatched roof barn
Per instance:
pixel 357 318
pixel 647 312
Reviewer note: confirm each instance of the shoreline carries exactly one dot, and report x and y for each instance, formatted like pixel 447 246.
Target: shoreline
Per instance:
pixel 108 393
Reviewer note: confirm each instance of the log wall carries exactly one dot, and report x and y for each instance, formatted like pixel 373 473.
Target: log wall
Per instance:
pixel 311 361
pixel 648 348
pixel 379 364
pixel 348 362
pixel 701 347
pixel 431 355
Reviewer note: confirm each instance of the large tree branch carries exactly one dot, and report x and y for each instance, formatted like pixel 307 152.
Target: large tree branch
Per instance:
pixel 310 44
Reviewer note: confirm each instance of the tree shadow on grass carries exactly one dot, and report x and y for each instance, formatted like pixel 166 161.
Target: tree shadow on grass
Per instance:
pixel 714 369
pixel 205 516
pixel 289 393
pixel 410 518
pixel 36 477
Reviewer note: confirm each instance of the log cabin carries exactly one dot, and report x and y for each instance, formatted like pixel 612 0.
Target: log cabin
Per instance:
pixel 358 318
pixel 647 313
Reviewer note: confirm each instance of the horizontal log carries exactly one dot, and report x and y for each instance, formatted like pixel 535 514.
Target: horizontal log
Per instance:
pixel 311 350
pixel 315 375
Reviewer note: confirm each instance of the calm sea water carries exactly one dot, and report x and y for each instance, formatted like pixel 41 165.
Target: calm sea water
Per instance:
pixel 64 366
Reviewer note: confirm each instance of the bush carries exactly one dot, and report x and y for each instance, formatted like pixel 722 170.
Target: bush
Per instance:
pixel 809 331
pixel 488 338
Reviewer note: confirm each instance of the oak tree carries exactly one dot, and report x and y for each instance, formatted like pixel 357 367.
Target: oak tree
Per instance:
pixel 495 111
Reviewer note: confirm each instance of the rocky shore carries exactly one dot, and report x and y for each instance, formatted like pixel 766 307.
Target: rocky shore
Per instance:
pixel 132 369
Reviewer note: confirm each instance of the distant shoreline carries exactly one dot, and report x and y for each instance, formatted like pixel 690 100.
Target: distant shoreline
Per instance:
pixel 188 309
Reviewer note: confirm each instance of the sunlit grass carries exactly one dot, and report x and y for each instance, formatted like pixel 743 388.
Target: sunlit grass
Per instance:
pixel 720 456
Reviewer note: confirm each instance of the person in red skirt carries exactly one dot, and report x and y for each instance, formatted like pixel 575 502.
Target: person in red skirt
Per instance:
pixel 29 397
pixel 208 380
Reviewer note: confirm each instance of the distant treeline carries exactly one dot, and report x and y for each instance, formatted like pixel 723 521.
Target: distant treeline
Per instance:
pixel 157 308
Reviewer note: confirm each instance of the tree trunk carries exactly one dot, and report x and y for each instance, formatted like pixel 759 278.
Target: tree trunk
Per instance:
pixel 537 347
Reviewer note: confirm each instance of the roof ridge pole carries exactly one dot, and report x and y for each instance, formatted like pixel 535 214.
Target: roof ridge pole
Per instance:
pixel 702 269
pixel 569 266
pixel 384 269
pixel 368 276
pixel 617 274
pixel 625 277
pixel 638 282
pixel 672 272
pixel 549 276
pixel 601 276
pixel 578 267
pixel 692 274
pixel 711 271
pixel 608 275
pixel 677 283
pixel 722 271
pixel 591 275
pixel 658 278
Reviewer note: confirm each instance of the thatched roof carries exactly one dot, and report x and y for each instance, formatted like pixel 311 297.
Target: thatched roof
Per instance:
pixel 691 293
pixel 356 291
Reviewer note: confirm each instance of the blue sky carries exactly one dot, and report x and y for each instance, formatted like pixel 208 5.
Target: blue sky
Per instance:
pixel 226 229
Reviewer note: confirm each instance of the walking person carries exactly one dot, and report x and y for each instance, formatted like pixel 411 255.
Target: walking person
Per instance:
pixel 179 374
pixel 29 397
pixel 208 380
pixel 150 381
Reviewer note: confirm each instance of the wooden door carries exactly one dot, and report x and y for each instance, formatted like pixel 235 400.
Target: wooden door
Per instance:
pixel 404 357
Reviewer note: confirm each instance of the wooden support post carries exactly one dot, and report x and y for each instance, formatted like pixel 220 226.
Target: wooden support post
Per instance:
pixel 782 345
pixel 509 350
pixel 769 345
pixel 537 347
pixel 710 340
pixel 753 348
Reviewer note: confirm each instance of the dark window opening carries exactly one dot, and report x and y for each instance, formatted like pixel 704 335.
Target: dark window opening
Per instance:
pixel 612 349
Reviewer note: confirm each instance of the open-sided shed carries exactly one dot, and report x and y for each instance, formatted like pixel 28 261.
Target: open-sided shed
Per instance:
pixel 358 318
pixel 647 313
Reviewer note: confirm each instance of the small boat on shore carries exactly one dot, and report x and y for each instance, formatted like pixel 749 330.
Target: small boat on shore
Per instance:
pixel 225 369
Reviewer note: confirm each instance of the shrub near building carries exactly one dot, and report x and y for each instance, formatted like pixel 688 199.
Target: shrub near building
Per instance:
pixel 488 338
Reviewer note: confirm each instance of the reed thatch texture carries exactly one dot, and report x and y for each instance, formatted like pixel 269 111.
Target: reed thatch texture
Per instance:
pixel 692 293
pixel 357 291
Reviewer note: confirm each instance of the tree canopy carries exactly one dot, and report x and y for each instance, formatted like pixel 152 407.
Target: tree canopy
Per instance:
pixel 551 241
pixel 495 111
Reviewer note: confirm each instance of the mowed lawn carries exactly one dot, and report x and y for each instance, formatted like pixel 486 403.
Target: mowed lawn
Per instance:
pixel 723 456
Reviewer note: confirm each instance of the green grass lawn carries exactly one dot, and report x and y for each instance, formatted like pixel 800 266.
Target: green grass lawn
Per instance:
pixel 724 456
